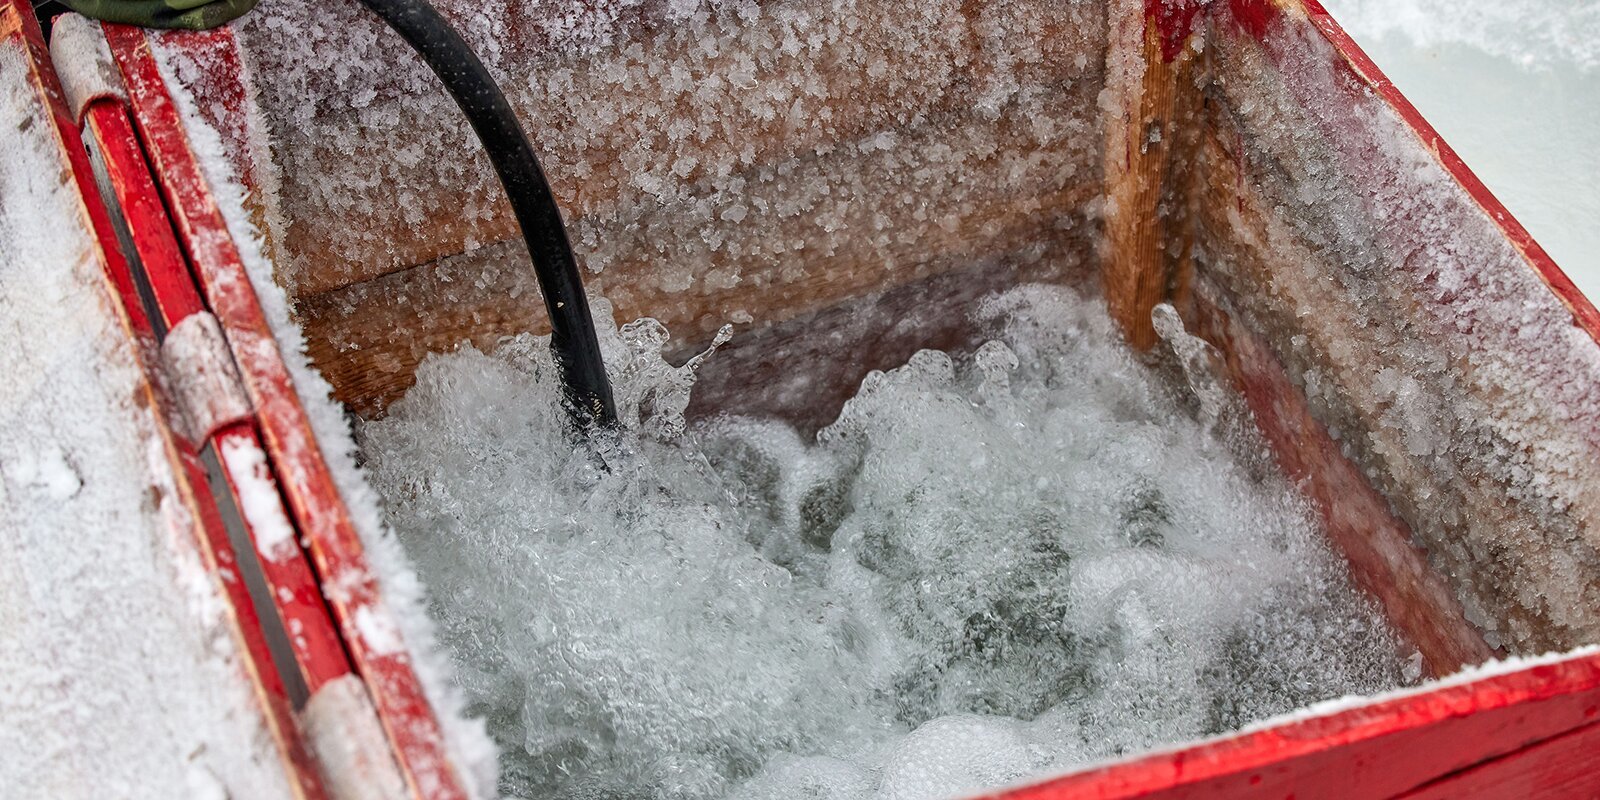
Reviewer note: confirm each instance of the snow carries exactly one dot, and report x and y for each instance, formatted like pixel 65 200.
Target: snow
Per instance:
pixel 379 633
pixel 258 498
pixel 1528 33
pixel 354 752
pixel 989 567
pixel 119 674
pixel 1513 87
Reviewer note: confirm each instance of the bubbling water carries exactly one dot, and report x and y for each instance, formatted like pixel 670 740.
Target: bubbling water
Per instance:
pixel 988 567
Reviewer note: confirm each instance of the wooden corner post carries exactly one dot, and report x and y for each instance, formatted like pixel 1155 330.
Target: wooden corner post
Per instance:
pixel 1150 82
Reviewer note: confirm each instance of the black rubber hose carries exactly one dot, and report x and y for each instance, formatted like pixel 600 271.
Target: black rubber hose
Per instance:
pixel 572 338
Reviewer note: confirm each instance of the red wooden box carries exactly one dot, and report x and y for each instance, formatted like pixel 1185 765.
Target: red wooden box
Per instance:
pixel 1248 164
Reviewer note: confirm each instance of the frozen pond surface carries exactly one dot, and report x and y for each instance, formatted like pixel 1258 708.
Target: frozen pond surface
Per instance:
pixel 987 568
pixel 1514 87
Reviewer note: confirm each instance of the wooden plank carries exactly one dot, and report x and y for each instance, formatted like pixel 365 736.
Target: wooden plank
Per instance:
pixel 917 218
pixel 1151 73
pixel 667 139
pixel 1359 63
pixel 1561 767
pixel 1381 749
pixel 1384 561
pixel 1386 291
pixel 318 510
pixel 1425 742
pixel 1378 545
pixel 1235 214
pixel 295 594
pixel 156 659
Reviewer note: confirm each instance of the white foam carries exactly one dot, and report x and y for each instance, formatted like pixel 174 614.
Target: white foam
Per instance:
pixel 987 568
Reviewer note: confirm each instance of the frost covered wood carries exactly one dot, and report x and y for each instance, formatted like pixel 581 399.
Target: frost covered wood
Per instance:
pixel 1511 85
pixel 1433 350
pixel 725 161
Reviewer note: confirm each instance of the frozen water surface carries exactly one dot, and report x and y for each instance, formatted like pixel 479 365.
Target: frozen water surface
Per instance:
pixel 989 567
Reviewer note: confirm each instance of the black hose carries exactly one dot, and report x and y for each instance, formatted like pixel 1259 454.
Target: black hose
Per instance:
pixel 572 337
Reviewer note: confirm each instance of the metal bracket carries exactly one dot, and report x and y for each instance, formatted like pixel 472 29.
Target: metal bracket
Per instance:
pixel 202 377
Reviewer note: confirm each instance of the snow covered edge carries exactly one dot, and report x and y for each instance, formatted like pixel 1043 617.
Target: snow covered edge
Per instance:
pixel 466 739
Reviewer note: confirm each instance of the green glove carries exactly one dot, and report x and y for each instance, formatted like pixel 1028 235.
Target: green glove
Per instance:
pixel 195 15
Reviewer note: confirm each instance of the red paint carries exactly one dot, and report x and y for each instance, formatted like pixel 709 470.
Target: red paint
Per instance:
pixel 317 648
pixel 1174 21
pixel 1559 767
pixel 19 30
pixel 203 528
pixel 1255 16
pixel 304 777
pixel 1381 749
pixel 314 503
pixel 295 593
pixel 151 232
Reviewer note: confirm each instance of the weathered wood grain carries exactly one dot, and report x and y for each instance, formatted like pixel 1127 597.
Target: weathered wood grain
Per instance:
pixel 1147 151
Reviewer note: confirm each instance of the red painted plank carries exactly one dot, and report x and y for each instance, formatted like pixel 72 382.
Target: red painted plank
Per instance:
pixel 317 648
pixel 307 484
pixel 18 28
pixel 1562 767
pixel 1450 260
pixel 148 225
pixel 1418 742
pixel 1377 750
pixel 221 560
